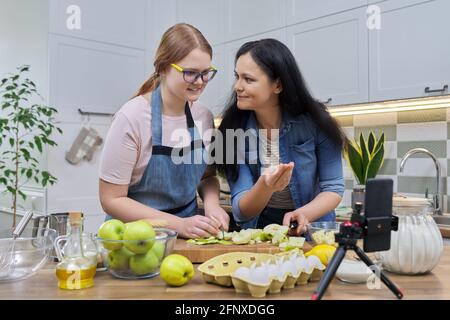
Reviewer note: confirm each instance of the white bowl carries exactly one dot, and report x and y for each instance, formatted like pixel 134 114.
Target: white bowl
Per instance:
pixel 353 271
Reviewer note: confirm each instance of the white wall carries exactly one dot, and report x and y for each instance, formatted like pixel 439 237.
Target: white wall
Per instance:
pixel 23 40
pixel 96 68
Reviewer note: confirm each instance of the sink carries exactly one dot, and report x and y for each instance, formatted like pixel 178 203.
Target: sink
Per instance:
pixel 442 220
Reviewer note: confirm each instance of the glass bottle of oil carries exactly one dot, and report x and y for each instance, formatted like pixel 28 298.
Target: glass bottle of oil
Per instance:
pixel 77 267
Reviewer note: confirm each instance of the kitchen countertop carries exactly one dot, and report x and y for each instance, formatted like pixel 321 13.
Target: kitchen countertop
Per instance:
pixel 435 285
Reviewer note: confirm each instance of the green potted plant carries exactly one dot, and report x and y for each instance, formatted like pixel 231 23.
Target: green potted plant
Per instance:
pixel 24 129
pixel 365 159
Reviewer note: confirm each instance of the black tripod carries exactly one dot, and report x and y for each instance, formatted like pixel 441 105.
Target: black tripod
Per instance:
pixel 349 233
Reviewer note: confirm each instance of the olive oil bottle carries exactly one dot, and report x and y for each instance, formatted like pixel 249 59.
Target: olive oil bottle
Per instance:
pixel 77 268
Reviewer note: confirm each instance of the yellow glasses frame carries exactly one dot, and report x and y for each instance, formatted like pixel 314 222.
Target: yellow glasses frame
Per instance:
pixel 196 73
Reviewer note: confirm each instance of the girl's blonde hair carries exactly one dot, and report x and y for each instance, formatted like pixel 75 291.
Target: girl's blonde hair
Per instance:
pixel 176 43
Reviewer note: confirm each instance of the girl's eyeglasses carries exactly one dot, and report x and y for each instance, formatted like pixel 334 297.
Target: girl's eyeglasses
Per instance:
pixel 191 76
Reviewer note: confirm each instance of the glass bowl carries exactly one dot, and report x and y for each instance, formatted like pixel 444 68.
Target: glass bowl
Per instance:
pixel 140 259
pixel 23 257
pixel 322 232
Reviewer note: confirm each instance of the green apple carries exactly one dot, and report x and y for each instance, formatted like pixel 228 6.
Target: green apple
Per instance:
pixel 119 259
pixel 145 263
pixel 176 270
pixel 158 249
pixel 141 236
pixel 111 230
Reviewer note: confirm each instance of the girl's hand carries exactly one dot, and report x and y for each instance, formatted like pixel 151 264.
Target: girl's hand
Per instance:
pixel 278 179
pixel 216 212
pixel 296 216
pixel 197 226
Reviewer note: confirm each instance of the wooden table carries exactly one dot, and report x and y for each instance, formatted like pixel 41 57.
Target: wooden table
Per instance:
pixel 435 285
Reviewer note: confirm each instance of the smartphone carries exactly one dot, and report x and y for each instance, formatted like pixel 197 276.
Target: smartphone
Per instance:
pixel 378 215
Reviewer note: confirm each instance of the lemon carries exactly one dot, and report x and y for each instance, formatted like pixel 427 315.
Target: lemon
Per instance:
pixel 323 251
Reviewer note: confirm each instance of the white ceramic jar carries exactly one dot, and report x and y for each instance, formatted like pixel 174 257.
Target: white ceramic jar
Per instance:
pixel 417 246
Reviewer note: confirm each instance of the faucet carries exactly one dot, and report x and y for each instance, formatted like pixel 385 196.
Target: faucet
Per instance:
pixel 437 198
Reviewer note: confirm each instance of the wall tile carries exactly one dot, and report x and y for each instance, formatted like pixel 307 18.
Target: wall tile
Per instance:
pixel 422 131
pixel 349 184
pixel 418 185
pixel 390 150
pixel 422 167
pixel 438 148
pixel 422 116
pixel 345 121
pixel 349 132
pixel 389 167
pixel 390 132
pixel 376 119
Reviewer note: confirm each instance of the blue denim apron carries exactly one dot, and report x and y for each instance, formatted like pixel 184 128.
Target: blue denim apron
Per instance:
pixel 166 185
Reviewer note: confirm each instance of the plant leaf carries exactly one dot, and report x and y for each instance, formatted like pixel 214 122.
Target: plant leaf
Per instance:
pixel 354 159
pixel 375 163
pixel 23 195
pixel 38 143
pixel 365 155
pixel 371 143
pixel 380 143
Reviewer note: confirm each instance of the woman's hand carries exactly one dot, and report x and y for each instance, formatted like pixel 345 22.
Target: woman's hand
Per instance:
pixel 278 179
pixel 298 217
pixel 197 226
pixel 216 212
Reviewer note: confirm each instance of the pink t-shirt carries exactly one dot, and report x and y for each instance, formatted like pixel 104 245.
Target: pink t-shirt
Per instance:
pixel 128 145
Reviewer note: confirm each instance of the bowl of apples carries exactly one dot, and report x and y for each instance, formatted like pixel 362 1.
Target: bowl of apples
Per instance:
pixel 134 250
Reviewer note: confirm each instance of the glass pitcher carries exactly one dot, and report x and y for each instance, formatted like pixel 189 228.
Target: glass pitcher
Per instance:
pixel 417 246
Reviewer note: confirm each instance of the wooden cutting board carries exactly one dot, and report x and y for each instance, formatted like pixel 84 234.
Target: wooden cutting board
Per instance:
pixel 202 253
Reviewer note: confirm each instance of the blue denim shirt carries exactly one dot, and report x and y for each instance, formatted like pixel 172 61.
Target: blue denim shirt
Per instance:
pixel 318 165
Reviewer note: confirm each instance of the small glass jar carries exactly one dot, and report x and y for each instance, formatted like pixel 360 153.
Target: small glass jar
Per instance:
pixel 417 246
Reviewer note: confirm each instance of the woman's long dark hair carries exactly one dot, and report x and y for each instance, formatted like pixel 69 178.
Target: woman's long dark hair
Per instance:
pixel 277 61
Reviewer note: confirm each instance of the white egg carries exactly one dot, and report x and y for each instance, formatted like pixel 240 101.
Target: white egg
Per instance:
pixel 272 270
pixel 242 273
pixel 289 268
pixel 302 264
pixel 260 275
pixel 315 263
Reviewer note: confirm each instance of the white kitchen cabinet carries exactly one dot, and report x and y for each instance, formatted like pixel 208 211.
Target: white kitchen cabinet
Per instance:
pixel 205 15
pixel 116 22
pixel 160 16
pixel 216 93
pixel 251 17
pixel 332 55
pixel 304 10
pixel 411 50
pixel 93 76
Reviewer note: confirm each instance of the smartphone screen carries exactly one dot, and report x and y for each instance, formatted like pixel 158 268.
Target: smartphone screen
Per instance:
pixel 378 214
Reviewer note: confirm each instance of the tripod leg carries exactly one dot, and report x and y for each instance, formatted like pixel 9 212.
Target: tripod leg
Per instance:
pixel 395 290
pixel 329 273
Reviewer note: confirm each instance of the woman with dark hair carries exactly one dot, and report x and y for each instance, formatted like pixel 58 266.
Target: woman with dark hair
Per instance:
pixel 296 174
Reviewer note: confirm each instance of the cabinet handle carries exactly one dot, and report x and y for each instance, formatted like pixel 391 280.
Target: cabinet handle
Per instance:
pixel 427 89
pixel 327 102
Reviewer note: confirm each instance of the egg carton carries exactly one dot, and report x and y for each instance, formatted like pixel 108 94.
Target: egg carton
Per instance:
pixel 218 270
pixel 274 275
